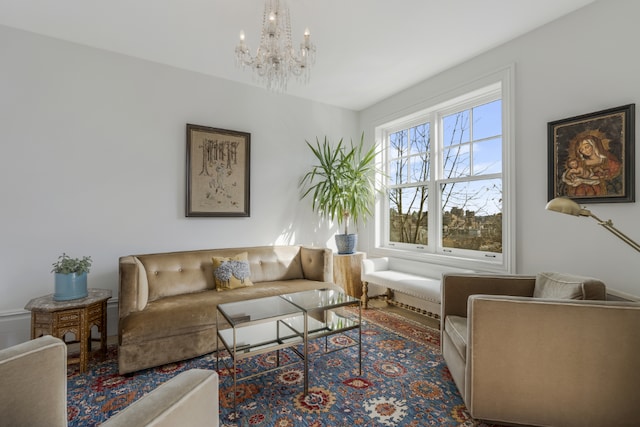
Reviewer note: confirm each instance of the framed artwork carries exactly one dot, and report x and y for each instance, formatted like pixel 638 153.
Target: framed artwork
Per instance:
pixel 217 172
pixel 591 157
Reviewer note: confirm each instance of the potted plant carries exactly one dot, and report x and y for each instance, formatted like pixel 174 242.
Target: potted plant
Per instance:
pixel 342 185
pixel 70 277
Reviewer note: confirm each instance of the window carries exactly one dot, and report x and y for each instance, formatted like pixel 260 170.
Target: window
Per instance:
pixel 446 176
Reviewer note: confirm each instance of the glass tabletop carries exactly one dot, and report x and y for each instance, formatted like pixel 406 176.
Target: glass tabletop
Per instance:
pixel 257 309
pixel 320 298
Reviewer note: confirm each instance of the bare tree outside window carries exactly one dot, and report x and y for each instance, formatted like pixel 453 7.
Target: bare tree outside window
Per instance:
pixel 408 192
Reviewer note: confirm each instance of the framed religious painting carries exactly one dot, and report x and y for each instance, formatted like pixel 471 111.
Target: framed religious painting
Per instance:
pixel 592 158
pixel 218 163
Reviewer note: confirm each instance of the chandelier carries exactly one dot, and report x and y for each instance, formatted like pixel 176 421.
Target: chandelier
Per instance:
pixel 276 59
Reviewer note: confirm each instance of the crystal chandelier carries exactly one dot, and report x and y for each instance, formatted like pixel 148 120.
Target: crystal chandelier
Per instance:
pixel 276 59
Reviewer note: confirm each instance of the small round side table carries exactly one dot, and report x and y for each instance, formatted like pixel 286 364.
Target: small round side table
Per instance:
pixel 57 318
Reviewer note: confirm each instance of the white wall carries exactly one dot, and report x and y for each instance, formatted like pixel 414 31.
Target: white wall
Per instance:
pixel 584 62
pixel 92 162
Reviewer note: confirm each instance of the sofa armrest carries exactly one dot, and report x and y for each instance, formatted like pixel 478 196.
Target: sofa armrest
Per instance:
pixel 456 289
pixel 369 265
pixel 33 389
pixel 189 399
pixel 133 295
pixel 576 362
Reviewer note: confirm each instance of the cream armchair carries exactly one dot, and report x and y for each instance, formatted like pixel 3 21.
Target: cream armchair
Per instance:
pixel 33 392
pixel 520 359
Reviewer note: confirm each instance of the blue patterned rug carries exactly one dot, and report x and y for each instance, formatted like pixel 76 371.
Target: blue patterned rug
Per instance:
pixel 404 382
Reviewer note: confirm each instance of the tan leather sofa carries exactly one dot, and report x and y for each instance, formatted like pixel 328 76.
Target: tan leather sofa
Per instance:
pixel 517 359
pixel 167 301
pixel 33 392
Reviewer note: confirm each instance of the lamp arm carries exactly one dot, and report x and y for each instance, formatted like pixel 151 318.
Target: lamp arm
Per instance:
pixel 608 224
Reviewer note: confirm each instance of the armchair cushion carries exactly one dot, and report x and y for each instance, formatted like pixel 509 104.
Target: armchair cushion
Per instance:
pixel 456 329
pixel 567 286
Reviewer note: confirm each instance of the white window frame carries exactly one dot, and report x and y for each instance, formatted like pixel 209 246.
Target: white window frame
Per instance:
pixel 497 85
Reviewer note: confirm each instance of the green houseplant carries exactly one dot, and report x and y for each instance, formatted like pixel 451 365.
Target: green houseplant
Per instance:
pixel 342 186
pixel 71 277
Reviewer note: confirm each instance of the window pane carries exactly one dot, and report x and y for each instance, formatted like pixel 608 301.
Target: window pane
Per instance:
pixel 456 161
pixel 472 215
pixel 420 167
pixel 487 120
pixel 487 157
pixel 456 128
pixel 398 144
pixel 420 139
pixel 408 215
pixel 397 171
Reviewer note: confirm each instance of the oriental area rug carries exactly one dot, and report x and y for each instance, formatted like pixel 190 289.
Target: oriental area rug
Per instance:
pixel 404 382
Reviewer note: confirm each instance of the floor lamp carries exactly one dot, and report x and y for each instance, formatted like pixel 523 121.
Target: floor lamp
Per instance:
pixel 568 206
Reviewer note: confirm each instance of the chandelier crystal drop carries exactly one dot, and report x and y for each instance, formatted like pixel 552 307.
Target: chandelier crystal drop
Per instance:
pixel 276 59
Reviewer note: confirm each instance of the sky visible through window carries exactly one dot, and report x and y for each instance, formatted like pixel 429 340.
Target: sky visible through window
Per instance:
pixel 472 142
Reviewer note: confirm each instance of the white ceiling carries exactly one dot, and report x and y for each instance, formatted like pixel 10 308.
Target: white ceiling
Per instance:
pixel 366 49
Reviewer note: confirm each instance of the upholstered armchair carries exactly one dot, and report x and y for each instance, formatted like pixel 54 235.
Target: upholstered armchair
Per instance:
pixel 33 392
pixel 532 350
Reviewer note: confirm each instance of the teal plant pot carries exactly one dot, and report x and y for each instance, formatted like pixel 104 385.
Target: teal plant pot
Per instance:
pixel 346 243
pixel 70 286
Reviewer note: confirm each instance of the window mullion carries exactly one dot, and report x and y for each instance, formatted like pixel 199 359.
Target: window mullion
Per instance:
pixel 433 203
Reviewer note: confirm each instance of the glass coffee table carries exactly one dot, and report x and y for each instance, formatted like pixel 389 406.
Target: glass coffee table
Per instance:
pixel 252 327
pixel 326 316
pixel 262 325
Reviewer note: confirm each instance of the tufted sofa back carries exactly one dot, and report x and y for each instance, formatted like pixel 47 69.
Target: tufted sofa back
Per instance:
pixel 152 276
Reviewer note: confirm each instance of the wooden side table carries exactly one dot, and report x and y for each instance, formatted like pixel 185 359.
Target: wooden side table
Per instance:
pixel 346 272
pixel 57 318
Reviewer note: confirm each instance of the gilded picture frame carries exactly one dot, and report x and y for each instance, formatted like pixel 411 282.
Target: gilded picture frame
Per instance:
pixel 218 172
pixel 592 156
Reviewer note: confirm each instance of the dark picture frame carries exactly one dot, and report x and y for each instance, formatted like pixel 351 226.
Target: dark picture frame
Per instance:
pixel 218 166
pixel 592 156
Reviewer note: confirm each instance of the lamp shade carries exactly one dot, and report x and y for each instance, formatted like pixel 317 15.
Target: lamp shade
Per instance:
pixel 566 206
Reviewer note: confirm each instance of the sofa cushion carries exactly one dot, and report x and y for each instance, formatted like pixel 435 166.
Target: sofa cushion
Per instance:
pixel 275 263
pixel 313 263
pixel 231 272
pixel 177 273
pixel 559 286
pixel 456 328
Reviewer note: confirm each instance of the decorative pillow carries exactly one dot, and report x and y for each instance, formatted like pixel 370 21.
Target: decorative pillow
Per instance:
pixel 559 286
pixel 231 273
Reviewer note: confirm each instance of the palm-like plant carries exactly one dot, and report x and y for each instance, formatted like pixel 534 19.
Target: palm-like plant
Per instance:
pixel 342 185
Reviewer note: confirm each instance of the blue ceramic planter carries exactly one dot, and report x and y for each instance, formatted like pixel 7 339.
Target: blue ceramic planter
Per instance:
pixel 70 286
pixel 346 243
